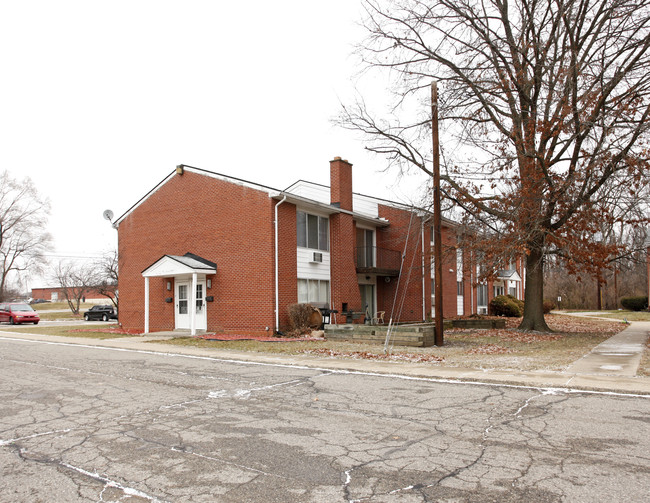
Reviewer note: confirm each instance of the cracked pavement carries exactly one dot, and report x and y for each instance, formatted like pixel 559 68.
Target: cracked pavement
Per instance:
pixel 98 424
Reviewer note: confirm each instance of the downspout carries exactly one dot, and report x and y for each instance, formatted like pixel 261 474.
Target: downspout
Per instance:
pixel 277 282
pixel 424 300
pixel 471 283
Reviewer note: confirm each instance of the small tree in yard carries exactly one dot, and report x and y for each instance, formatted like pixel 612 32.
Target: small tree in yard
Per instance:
pixel 548 102
pixel 23 229
pixel 107 277
pixel 75 281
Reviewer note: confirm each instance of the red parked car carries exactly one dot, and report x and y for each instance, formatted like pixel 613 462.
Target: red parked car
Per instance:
pixel 19 312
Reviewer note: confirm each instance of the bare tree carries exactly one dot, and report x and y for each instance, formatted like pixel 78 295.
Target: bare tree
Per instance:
pixel 23 229
pixel 108 277
pixel 547 102
pixel 75 281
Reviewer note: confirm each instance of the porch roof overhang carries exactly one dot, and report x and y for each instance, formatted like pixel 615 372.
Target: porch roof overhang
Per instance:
pixel 178 265
pixel 509 275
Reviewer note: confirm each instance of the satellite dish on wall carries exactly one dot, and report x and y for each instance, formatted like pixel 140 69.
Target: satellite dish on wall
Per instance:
pixel 108 215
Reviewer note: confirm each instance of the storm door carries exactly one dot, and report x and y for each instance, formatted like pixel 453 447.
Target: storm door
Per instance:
pixel 183 304
pixel 184 301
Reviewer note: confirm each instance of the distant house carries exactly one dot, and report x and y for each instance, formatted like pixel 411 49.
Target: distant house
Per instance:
pixel 205 251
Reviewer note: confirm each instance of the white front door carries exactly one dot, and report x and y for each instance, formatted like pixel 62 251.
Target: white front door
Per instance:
pixel 183 302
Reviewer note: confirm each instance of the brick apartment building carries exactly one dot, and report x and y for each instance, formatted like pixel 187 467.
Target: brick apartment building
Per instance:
pixel 241 253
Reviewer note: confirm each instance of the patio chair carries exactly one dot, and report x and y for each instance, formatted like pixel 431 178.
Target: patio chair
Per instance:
pixel 378 318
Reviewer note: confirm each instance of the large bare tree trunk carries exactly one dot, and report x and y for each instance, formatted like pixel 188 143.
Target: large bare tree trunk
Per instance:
pixel 534 295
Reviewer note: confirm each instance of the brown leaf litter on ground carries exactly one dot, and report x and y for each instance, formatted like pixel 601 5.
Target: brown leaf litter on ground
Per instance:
pixel 365 355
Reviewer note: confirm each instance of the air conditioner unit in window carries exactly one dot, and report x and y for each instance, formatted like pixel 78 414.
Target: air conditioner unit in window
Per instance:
pixel 482 310
pixel 317 258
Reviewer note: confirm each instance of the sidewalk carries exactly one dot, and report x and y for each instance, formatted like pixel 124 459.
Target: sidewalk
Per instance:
pixel 617 356
pixel 586 374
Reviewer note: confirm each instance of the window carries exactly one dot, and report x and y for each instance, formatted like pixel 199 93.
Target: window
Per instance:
pixel 481 293
pixel 313 291
pixel 460 288
pixel 182 299
pixel 365 248
pixel 199 298
pixel 512 291
pixel 312 231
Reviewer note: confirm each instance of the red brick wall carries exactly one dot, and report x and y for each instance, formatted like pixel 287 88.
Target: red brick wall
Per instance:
pixel 228 224
pixel 343 273
pixel 449 274
pixel 394 237
pixel 287 261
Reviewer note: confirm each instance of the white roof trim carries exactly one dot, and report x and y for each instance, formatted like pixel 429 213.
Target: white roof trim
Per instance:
pixel 177 265
pixel 509 275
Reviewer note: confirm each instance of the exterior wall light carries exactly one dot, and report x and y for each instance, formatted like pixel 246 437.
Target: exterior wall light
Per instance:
pixel 169 285
pixel 209 282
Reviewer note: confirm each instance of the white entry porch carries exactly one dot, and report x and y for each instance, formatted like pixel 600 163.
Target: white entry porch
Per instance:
pixel 189 273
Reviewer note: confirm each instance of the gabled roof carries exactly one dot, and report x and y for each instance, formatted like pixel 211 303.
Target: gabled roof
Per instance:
pixel 174 265
pixel 313 201
pixel 508 274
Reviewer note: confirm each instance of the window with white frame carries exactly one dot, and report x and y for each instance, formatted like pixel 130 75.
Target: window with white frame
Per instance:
pixel 312 231
pixel 481 298
pixel 313 291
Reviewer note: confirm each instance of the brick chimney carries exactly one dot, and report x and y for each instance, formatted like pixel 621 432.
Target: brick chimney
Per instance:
pixel 341 184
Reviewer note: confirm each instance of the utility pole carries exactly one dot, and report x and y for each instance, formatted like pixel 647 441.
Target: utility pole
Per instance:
pixel 437 218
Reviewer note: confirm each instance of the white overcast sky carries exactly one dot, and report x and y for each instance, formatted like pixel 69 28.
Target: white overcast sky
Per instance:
pixel 100 100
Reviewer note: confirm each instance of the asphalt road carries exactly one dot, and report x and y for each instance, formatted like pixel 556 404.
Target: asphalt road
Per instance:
pixel 91 424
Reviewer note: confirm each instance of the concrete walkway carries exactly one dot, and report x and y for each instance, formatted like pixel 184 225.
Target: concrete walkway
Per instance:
pixel 619 355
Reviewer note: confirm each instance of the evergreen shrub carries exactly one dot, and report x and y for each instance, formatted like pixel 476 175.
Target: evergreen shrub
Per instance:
pixel 506 305
pixel 635 303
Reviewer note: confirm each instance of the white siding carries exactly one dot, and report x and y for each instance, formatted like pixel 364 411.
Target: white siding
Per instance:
pixel 360 204
pixel 308 270
pixel 365 206
pixel 318 193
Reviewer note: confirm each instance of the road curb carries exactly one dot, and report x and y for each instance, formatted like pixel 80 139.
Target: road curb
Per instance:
pixel 541 379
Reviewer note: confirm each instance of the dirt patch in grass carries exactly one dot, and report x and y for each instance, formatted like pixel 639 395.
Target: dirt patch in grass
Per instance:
pixel 59 316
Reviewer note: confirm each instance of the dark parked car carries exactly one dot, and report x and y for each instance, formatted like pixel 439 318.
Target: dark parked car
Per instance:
pixel 98 312
pixel 18 312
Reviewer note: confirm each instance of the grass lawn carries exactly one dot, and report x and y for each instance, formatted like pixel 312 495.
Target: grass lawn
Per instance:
pixel 49 306
pixel 505 349
pixel 627 315
pixel 482 349
pixel 60 316
pixel 70 331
